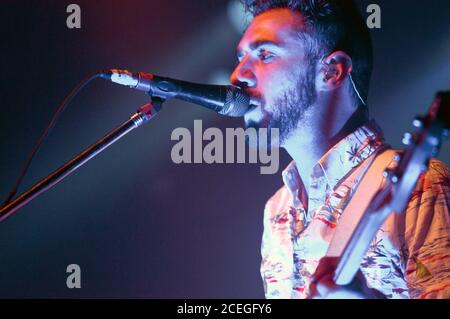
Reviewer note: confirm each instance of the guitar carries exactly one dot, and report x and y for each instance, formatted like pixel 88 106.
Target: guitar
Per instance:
pixel 393 197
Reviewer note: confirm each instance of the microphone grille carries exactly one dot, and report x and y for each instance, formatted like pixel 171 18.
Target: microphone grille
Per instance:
pixel 237 102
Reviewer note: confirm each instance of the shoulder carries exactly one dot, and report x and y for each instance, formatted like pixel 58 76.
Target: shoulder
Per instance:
pixel 430 202
pixel 435 181
pixel 438 172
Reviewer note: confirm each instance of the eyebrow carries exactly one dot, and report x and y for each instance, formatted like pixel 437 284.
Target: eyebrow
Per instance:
pixel 256 44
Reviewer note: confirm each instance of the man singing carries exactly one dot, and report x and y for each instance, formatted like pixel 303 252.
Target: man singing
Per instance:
pixel 307 66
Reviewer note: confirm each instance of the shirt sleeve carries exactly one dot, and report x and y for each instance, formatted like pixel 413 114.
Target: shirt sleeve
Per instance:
pixel 427 235
pixel 276 250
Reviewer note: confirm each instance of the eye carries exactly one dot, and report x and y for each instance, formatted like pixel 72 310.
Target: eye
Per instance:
pixel 265 56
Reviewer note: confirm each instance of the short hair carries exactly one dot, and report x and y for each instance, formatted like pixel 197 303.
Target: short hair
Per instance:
pixel 330 25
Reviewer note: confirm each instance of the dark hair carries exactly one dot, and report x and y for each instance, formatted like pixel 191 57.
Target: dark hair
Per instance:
pixel 330 25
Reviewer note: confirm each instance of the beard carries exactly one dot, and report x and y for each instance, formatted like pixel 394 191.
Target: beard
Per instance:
pixel 290 108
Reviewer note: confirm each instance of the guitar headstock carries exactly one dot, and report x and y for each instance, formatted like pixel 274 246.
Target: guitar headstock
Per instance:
pixel 437 121
pixel 432 130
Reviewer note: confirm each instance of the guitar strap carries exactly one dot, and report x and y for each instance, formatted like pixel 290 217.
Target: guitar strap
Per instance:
pixel 366 190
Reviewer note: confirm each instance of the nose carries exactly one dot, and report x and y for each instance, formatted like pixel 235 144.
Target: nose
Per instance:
pixel 243 75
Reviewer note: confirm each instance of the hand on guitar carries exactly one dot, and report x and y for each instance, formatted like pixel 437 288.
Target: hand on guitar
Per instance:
pixel 323 286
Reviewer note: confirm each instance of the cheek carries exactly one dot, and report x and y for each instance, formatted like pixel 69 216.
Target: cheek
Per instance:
pixel 276 82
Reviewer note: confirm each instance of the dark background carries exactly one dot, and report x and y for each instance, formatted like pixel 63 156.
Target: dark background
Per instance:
pixel 137 224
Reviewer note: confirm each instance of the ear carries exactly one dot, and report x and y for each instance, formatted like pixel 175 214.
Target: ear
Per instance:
pixel 333 71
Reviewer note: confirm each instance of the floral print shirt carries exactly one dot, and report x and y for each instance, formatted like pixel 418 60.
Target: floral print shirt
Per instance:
pixel 408 258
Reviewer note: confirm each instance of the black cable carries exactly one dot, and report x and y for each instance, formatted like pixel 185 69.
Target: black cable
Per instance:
pixel 47 131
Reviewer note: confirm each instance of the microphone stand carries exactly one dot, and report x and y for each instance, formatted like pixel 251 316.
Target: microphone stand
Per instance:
pixel 143 115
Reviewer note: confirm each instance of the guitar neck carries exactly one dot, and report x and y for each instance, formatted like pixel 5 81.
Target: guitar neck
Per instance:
pixel 394 196
pixel 358 245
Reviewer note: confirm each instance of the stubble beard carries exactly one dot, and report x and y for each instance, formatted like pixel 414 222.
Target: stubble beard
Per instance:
pixel 290 109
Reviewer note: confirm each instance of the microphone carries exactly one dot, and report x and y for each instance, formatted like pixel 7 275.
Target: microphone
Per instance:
pixel 226 100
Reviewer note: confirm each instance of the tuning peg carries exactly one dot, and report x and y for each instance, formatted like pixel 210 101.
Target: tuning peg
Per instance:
pixel 434 141
pixel 397 158
pixel 418 122
pixel 389 174
pixel 407 139
pixel 394 179
pixel 445 134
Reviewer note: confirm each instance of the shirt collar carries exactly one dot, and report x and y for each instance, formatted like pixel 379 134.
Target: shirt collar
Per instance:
pixel 339 160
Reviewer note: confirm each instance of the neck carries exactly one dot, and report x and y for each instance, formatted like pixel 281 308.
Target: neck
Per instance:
pixel 318 134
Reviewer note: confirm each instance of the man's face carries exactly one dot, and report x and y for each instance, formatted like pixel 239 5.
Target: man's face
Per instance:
pixel 275 71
